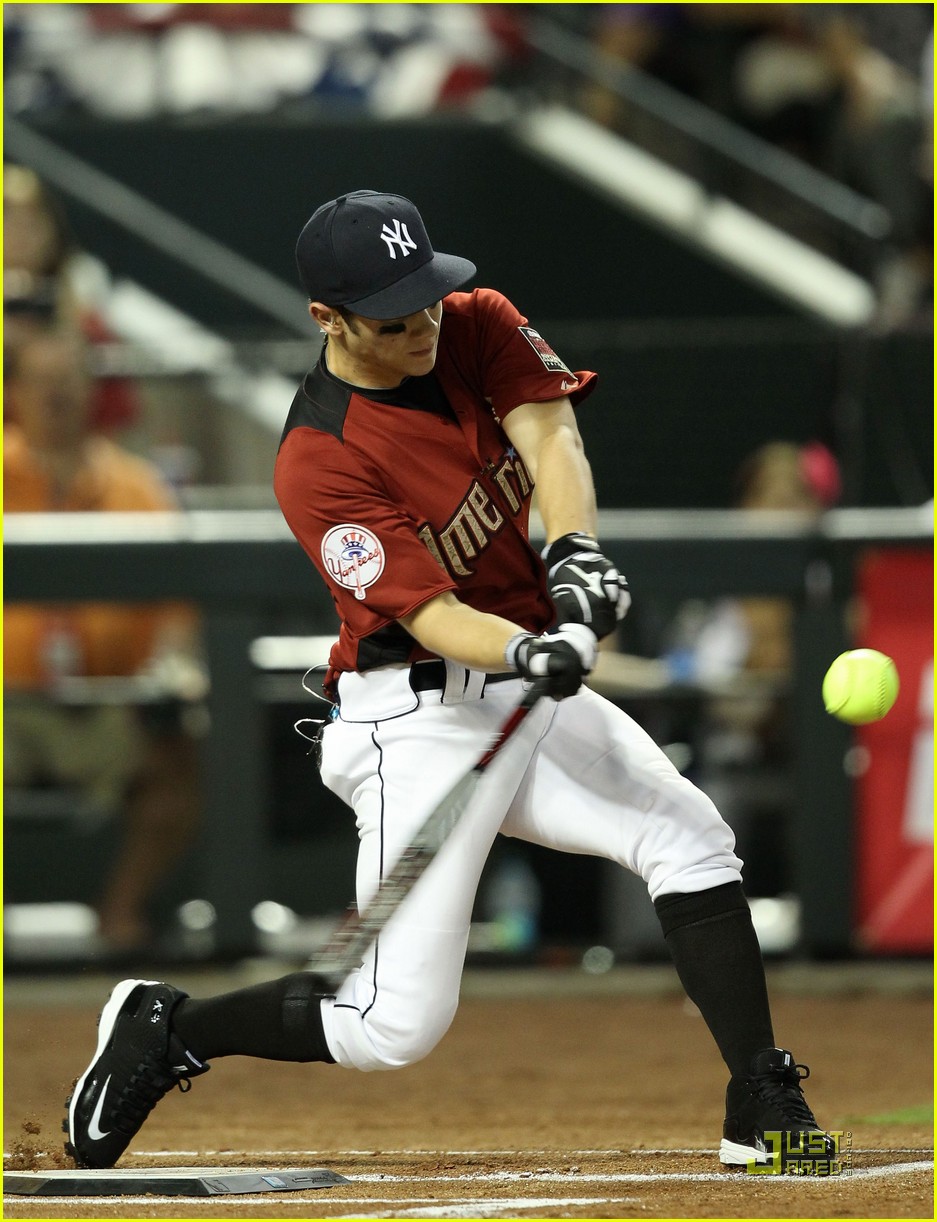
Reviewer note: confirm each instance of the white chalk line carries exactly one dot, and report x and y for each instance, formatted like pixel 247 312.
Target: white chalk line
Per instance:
pixel 852 1150
pixel 420 1206
pixel 633 1177
pixel 469 1208
pixel 678 1177
pixel 371 1151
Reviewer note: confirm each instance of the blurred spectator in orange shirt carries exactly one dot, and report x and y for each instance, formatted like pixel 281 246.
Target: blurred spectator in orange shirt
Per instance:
pixel 54 462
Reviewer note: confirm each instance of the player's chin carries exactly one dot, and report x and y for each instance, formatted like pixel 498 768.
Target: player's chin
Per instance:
pixel 421 361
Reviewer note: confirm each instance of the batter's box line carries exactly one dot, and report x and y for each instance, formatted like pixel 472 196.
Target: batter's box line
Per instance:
pixel 421 1207
pixel 631 1177
pixel 853 1150
pixel 192 1203
pixel 515 1153
pixel 471 1208
pixel 371 1150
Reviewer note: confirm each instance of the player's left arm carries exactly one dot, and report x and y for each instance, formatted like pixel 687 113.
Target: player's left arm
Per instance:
pixel 547 438
pixel 585 586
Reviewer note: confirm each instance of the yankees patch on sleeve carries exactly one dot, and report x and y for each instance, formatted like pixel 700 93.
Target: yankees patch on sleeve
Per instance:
pixel 353 557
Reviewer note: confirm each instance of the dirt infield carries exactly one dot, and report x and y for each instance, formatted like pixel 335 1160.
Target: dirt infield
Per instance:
pixel 552 1096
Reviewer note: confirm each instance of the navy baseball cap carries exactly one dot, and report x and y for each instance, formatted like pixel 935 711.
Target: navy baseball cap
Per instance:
pixel 369 251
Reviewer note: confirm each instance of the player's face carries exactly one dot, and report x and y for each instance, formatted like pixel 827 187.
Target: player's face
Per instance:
pixel 380 353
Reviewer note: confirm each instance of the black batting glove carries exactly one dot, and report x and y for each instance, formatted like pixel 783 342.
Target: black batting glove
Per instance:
pixel 558 662
pixel 585 586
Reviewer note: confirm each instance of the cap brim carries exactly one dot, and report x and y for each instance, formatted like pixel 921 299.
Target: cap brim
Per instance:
pixel 441 275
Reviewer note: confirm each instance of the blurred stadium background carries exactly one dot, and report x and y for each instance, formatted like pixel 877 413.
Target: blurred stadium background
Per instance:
pixel 726 210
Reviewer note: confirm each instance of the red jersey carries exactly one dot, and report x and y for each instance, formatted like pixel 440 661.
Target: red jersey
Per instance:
pixel 400 495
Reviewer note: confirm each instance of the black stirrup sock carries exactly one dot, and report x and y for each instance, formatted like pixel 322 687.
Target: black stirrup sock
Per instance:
pixel 280 1020
pixel 715 950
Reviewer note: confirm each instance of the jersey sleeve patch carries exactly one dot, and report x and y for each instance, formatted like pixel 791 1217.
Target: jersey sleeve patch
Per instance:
pixel 353 557
pixel 543 350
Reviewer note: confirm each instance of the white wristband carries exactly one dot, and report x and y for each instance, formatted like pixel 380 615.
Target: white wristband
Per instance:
pixel 513 645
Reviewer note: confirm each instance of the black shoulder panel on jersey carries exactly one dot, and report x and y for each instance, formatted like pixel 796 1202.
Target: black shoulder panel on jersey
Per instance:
pixel 423 394
pixel 320 403
pixel 389 644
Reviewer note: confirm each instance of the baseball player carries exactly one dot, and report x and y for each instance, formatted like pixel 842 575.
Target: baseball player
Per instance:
pixel 406 470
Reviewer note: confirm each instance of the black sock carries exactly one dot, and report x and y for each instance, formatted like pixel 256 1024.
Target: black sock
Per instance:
pixel 715 950
pixel 280 1020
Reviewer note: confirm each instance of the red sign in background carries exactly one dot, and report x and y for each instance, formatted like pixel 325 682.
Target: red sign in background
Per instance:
pixel 895 792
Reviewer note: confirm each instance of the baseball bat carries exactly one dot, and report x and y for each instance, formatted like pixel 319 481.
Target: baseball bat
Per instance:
pixel 347 945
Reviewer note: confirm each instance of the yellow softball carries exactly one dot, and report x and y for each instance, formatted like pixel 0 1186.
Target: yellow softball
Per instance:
pixel 860 686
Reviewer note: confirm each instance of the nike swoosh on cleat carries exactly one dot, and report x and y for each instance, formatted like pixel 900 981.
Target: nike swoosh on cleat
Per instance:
pixel 94 1132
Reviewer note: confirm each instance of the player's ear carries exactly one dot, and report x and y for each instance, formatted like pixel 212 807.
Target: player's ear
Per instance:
pixel 327 319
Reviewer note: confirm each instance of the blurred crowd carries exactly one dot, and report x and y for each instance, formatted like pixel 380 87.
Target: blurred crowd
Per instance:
pixel 128 760
pixel 48 280
pixel 389 59
pixel 847 88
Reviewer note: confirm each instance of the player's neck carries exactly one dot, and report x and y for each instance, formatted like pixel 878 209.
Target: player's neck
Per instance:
pixel 346 368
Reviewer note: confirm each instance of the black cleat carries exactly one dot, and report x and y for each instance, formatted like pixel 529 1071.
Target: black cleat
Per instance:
pixel 768 1120
pixel 137 1060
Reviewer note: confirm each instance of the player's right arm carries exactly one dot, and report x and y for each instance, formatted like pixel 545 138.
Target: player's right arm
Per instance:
pixel 481 641
pixel 448 627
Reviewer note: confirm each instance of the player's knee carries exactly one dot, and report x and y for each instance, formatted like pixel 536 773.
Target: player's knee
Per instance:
pixel 404 1039
pixel 690 849
pixel 376 1040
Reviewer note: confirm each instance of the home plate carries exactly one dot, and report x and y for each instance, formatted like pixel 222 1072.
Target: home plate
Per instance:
pixel 165 1181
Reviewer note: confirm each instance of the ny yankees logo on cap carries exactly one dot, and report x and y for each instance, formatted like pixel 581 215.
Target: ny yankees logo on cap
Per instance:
pixel 369 251
pixel 399 235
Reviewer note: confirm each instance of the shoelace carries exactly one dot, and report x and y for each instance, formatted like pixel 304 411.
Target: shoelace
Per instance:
pixel 781 1088
pixel 142 1093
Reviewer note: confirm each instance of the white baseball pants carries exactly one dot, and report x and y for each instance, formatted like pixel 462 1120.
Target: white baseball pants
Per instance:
pixel 578 775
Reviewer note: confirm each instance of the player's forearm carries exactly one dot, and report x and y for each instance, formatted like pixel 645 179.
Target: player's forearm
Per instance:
pixel 565 491
pixel 448 627
pixel 547 438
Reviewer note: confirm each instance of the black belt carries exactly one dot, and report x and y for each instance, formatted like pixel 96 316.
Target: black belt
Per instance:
pixel 431 676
